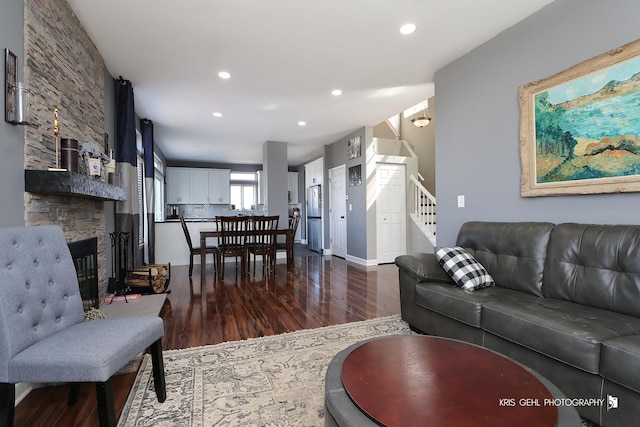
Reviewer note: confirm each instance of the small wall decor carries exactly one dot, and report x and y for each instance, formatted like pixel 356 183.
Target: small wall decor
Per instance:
pixel 580 128
pixel 353 148
pixel 355 175
pixel 16 94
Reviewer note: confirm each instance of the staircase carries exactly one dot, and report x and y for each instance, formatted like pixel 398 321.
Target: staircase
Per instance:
pixel 424 213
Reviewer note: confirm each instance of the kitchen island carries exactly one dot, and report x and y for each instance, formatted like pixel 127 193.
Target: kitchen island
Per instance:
pixel 171 245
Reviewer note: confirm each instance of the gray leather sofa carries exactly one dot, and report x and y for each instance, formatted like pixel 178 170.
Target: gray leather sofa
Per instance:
pixel 566 303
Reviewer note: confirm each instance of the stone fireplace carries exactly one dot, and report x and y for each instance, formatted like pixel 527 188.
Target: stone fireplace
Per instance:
pixel 65 70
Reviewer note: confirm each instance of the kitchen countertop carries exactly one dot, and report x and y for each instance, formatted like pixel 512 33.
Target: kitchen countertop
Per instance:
pixel 187 220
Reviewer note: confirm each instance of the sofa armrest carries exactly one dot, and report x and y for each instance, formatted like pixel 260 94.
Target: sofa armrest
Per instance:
pixel 424 267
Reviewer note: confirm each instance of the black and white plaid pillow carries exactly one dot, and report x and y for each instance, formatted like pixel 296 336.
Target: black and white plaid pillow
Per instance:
pixel 464 269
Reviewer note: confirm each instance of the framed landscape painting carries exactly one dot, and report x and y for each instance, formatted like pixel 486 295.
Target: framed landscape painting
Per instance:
pixel 580 129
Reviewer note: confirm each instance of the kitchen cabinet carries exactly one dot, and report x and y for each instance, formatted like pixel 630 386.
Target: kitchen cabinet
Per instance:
pixel 293 187
pixel 197 186
pixel 219 186
pixel 177 186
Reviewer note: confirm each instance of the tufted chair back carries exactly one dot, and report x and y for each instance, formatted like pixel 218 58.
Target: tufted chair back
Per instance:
pixel 39 294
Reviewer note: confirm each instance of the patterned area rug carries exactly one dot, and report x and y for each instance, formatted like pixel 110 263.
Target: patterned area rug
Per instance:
pixel 270 381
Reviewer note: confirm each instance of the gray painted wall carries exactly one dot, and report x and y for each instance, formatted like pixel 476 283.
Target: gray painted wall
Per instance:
pixel 336 155
pixel 11 136
pixel 274 156
pixel 477 133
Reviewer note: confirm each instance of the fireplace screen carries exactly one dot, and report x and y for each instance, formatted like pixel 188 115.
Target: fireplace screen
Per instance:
pixel 85 258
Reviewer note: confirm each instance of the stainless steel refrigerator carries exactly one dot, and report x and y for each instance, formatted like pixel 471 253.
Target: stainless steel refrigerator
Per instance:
pixel 314 218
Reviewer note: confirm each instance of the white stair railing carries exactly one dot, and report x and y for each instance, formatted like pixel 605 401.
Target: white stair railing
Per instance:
pixel 424 213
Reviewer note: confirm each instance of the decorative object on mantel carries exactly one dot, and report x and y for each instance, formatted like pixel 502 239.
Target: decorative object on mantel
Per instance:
pixel 93 160
pixel 16 94
pixel 70 152
pixel 56 133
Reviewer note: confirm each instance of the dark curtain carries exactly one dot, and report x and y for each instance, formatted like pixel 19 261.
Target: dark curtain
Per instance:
pixel 147 148
pixel 127 212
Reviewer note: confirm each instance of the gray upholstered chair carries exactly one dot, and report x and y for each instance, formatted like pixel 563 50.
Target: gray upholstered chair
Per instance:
pixel 43 335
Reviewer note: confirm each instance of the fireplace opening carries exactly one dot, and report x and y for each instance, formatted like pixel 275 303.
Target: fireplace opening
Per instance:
pixel 85 259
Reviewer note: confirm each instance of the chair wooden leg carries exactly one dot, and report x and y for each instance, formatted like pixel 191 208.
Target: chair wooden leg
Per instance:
pixel 191 265
pixel 106 405
pixel 7 404
pixel 74 391
pixel 158 371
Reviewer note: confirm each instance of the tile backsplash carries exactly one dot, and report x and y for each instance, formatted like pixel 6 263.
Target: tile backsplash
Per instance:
pixel 209 211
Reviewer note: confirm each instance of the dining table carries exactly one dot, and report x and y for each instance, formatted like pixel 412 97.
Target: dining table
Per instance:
pixel 210 233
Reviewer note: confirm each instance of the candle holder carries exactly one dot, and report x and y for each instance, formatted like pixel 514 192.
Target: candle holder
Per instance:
pixel 16 94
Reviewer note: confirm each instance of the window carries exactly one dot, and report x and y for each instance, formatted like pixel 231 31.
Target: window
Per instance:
pixel 158 188
pixel 244 190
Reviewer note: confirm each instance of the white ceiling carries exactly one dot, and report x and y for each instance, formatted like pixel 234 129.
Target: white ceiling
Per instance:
pixel 285 57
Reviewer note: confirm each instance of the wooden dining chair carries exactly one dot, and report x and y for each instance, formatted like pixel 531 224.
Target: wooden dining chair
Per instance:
pixel 294 221
pixel 263 241
pixel 233 241
pixel 196 250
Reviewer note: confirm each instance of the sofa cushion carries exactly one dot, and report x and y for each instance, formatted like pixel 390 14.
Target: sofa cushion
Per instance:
pixel 464 307
pixel 568 332
pixel 618 355
pixel 464 269
pixel 512 252
pixel 595 265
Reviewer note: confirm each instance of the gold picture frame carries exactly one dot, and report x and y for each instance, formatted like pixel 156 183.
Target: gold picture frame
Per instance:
pixel 580 128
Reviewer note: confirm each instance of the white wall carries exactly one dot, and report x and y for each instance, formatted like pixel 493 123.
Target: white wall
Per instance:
pixel 477 133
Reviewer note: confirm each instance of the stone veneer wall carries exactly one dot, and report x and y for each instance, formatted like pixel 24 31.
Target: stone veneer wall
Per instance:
pixel 63 68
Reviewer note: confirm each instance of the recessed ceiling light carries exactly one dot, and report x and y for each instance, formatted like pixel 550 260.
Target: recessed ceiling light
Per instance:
pixel 336 92
pixel 224 75
pixel 407 29
pixel 216 114
pixel 301 123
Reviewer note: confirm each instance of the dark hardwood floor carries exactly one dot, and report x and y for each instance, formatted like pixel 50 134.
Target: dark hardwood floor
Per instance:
pixel 319 291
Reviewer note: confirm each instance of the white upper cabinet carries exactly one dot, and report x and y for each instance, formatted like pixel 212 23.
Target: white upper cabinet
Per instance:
pixel 177 186
pixel 219 186
pixel 198 186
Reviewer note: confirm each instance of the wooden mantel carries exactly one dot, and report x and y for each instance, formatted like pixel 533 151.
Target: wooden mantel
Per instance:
pixel 65 183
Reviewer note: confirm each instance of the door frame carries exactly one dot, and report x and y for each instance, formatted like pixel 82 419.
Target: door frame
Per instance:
pixel 340 199
pixel 403 204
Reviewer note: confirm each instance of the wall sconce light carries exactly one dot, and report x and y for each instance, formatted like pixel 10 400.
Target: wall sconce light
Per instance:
pixel 16 95
pixel 422 120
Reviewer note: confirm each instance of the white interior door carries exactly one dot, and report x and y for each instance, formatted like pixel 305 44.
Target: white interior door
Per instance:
pixel 391 209
pixel 338 210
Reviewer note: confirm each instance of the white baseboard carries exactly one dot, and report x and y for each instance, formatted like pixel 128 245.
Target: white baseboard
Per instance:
pixel 361 261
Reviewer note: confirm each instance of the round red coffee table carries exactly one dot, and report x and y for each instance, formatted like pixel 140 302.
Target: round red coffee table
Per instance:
pixel 426 380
